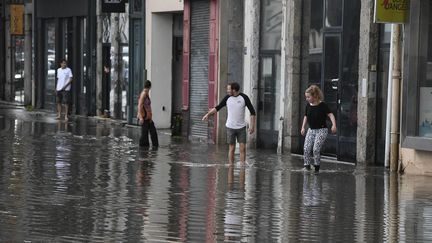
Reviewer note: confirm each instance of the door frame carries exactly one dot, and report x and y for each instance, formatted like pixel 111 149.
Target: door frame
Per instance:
pixel 272 55
pixel 331 137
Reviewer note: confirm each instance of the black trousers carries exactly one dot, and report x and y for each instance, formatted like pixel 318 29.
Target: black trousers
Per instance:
pixel 146 127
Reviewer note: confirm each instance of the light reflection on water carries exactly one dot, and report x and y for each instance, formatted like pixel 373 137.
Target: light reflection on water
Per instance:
pixel 87 181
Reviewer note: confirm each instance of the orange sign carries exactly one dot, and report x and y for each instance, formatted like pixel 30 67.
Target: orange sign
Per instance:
pixel 17 19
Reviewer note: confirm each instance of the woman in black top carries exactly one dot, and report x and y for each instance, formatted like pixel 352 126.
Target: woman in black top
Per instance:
pixel 315 116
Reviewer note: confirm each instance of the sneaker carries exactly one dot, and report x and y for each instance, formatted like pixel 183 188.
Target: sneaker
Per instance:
pixel 317 167
pixel 307 168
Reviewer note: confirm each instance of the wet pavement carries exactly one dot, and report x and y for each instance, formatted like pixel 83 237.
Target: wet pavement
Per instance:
pixel 88 181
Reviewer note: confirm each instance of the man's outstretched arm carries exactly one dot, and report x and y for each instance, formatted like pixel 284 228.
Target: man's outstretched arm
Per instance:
pixel 209 113
pixel 216 109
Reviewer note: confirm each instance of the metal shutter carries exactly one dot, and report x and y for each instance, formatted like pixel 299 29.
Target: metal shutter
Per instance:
pixel 199 62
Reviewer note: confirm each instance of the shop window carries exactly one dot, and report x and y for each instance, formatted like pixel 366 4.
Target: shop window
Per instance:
pixel 425 80
pixel 417 79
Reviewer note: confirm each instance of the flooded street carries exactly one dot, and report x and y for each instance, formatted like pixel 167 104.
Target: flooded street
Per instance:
pixel 88 181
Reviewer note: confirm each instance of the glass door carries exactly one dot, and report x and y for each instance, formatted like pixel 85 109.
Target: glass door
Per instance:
pixel 18 69
pixel 330 86
pixel 51 64
pixel 268 101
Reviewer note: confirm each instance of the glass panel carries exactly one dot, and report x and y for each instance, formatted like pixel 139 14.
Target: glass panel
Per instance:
pixel 125 79
pixel 276 92
pixel 65 38
pixel 137 78
pixel 51 65
pixel 266 95
pixel 84 47
pixel 385 34
pixel 106 29
pixel 331 84
pixel 271 24
pixel 19 69
pixel 124 26
pixel 137 5
pixel 333 13
pixel 425 116
pixel 316 27
pixel 268 106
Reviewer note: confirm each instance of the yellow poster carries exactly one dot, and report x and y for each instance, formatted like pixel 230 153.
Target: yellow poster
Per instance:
pixel 391 11
pixel 17 19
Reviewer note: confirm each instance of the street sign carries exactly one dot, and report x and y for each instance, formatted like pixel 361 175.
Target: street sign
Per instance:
pixel 391 11
pixel 17 19
pixel 113 6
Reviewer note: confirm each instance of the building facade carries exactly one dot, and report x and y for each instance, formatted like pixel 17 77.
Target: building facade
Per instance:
pixel 190 50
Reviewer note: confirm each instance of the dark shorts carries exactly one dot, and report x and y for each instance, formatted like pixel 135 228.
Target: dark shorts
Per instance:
pixel 63 97
pixel 232 134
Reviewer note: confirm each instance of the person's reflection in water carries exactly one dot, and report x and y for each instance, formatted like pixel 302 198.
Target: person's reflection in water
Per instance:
pixel 234 204
pixel 242 177
pixel 144 168
pixel 312 189
pixel 62 127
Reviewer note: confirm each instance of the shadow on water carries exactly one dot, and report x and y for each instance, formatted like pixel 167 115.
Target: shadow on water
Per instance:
pixel 89 181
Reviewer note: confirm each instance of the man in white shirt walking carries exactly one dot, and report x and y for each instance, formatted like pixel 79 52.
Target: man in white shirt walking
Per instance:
pixel 64 80
pixel 236 102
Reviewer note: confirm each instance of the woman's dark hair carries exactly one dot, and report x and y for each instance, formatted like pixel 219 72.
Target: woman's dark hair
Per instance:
pixel 147 84
pixel 63 60
pixel 235 86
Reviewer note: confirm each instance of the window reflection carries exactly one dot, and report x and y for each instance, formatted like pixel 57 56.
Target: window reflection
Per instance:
pixel 425 116
pixel 333 13
pixel 271 24
pixel 50 65
pixel 125 79
pixel 19 69
pixel 316 25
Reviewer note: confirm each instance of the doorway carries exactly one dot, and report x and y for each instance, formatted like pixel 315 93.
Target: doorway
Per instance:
pixel 64 38
pixel 333 66
pixel 268 100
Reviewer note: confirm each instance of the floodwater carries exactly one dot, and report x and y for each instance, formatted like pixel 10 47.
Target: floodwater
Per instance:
pixel 88 181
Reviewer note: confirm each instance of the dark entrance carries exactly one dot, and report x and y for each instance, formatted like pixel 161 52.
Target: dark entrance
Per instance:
pixel 268 100
pixel 332 62
pixel 269 74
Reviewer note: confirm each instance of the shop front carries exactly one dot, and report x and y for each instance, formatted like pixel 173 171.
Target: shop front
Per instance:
pixel 416 134
pixel 269 83
pixel 64 31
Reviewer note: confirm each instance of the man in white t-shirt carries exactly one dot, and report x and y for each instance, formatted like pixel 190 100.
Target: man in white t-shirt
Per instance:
pixel 64 80
pixel 236 102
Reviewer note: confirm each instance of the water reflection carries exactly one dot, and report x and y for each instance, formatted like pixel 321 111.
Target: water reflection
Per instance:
pixel 88 181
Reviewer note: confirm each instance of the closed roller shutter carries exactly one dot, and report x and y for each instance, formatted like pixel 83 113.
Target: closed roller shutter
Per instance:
pixel 199 53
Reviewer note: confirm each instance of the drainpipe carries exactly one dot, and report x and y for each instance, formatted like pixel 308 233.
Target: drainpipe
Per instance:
pixel 389 107
pixel 394 135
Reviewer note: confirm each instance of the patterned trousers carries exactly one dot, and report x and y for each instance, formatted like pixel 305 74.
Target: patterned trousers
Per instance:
pixel 313 142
